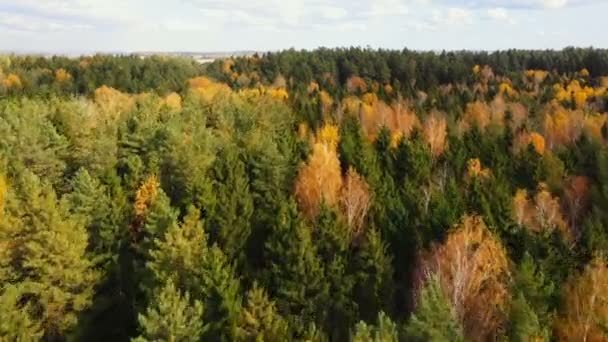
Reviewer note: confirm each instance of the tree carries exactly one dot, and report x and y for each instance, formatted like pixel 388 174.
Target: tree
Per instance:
pixel 373 269
pixel 178 255
pixel 319 180
pixel 524 324
pixel 584 310
pixel 16 324
pixel 181 256
pixel 259 319
pixel 46 256
pixel 220 293
pixel 384 331
pixel 296 275
pixel 435 133
pixel 540 214
pixel 473 270
pixel 434 318
pixel 230 220
pixel 171 316
pixel 355 200
pixel 90 201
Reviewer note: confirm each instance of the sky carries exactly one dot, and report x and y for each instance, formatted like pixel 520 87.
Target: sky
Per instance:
pixel 84 26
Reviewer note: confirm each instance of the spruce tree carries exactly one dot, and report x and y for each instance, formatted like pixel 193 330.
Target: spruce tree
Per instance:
pixel 523 322
pixel 434 318
pixel 296 276
pixel 47 256
pixel 230 220
pixel 259 319
pixel 384 331
pixel 179 254
pixel 90 201
pixel 171 316
pixel 220 294
pixel 373 269
pixel 333 238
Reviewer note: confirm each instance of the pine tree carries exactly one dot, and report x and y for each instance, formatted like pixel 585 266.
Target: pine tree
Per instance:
pixel 15 322
pixel 434 318
pixel 259 319
pixel 220 294
pixel 178 256
pixel 230 221
pixel 172 317
pixel 536 289
pixel 524 323
pixel 333 239
pixel 90 201
pixel 384 331
pixel 46 255
pixel 157 220
pixel 295 273
pixel 374 286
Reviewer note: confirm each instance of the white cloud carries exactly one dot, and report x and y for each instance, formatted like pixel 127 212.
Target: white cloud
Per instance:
pixel 180 25
pixel 332 12
pixel 500 14
pixel 518 4
pixel 382 8
pixel 17 22
pixel 554 3
pixel 452 17
pixel 113 11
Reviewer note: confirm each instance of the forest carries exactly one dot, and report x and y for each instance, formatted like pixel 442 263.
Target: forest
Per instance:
pixel 342 194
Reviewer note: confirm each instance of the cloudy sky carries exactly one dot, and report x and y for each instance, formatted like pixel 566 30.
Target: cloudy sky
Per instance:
pixel 78 26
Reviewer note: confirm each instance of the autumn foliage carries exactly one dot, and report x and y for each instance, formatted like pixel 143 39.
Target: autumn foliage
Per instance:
pixel 473 269
pixel 540 213
pixel 319 180
pixel 585 305
pixel 12 81
pixel 435 133
pixel 145 195
pixel 112 103
pixel 355 200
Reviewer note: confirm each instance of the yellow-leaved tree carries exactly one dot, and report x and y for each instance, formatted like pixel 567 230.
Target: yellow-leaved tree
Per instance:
pixel 320 179
pixel 111 102
pixel 584 314
pixel 355 200
pixel 435 133
pixel 473 271
pixel 541 213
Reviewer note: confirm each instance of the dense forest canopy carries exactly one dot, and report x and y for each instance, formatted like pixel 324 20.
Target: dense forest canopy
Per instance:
pixel 327 195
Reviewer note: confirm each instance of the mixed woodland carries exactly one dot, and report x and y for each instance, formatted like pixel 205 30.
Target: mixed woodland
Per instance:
pixel 328 195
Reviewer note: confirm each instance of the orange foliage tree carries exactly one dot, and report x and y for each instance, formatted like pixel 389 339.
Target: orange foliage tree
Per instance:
pixel 577 200
pixel 435 133
pixel 473 271
pixel 475 170
pixel 356 84
pixel 541 213
pixel 584 315
pixel 207 89
pixel 524 139
pixel 62 75
pixel 355 199
pixel 562 126
pixel 145 195
pixel 174 101
pixel 12 81
pixel 319 180
pixel 477 114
